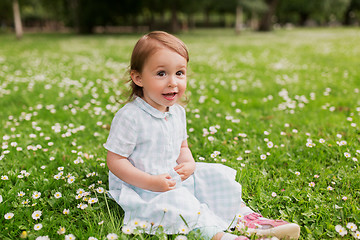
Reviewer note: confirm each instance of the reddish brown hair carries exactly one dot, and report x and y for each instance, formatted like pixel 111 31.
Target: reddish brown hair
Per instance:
pixel 147 46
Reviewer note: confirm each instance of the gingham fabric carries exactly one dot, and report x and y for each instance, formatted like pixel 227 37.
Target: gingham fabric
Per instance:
pixel 151 141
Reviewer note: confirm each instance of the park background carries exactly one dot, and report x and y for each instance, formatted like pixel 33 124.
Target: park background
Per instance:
pixel 273 90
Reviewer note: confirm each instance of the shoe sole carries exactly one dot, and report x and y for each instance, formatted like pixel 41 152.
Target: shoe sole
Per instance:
pixel 287 231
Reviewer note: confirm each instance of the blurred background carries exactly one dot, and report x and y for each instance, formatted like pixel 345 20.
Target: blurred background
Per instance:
pixel 128 16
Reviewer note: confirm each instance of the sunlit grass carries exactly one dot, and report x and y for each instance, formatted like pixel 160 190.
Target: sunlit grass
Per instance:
pixel 282 108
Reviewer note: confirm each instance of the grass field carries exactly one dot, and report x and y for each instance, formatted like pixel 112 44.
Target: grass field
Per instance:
pixel 282 108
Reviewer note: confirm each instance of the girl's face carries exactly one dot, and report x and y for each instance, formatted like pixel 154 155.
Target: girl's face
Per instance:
pixel 163 78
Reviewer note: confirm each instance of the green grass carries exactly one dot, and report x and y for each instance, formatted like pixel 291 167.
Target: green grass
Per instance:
pixel 58 95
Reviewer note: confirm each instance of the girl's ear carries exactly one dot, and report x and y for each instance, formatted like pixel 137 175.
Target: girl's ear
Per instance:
pixel 136 77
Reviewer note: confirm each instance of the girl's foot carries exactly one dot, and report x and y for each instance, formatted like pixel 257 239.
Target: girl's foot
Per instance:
pixel 254 223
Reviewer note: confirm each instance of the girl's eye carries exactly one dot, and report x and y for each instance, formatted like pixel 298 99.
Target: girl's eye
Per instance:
pixel 180 73
pixel 161 74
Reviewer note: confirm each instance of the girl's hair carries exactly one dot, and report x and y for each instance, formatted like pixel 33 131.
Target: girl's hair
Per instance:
pixel 147 46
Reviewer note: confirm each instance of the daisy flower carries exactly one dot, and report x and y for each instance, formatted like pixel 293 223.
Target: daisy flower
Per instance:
pixel 21 194
pixel 342 231
pixel 330 188
pixel 351 226
pixel 184 230
pixel 58 195
pixel 357 235
pixel 80 191
pixel 71 179
pixel 79 196
pixel 100 190
pixel 36 215
pixel 239 216
pixel 273 194
pixel 92 238
pixel 43 238
pixel 312 184
pixel 181 237
pixel 113 236
pixel 84 206
pixel 93 200
pixel 262 156
pixel 4 177
pixel 135 222
pixel 347 155
pixel 36 195
pixel 144 224
pixel 61 230
pixel 342 143
pixel 38 226
pixel 70 237
pixel 8 216
pixel 66 211
pixel 297 173
pixel 127 229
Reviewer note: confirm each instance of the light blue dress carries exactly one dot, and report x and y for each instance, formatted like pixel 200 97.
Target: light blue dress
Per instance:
pixel 151 141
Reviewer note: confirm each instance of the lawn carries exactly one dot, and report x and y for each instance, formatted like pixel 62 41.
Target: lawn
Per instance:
pixel 282 108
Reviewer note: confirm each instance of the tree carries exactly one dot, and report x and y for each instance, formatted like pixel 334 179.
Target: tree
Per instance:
pixel 17 20
pixel 267 18
pixel 350 12
pixel 253 8
pixel 322 11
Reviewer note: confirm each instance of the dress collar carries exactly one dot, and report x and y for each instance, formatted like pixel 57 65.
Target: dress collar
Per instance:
pixel 151 110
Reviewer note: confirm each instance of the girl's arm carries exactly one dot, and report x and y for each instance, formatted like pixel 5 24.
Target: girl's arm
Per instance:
pixel 122 168
pixel 186 162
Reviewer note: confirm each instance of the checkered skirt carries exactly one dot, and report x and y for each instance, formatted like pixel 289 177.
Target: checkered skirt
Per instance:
pixel 209 198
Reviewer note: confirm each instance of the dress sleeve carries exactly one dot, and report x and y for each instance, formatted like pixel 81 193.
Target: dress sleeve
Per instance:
pixel 123 134
pixel 183 119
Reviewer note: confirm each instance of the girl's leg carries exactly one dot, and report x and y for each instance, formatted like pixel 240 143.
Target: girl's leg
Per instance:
pixel 244 210
pixel 218 236
pixel 214 233
pixel 228 236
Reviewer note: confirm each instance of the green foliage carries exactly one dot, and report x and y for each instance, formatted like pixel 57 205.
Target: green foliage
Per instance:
pixel 281 108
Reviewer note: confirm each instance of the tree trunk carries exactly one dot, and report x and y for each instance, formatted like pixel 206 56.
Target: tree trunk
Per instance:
pixel 239 19
pixel 17 20
pixel 254 22
pixel 266 20
pixel 207 18
pixel 191 21
pixel 304 17
pixel 174 27
pixel 347 17
pixel 75 14
pixel 151 22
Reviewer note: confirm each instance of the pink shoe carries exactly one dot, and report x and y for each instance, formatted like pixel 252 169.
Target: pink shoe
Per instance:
pixel 241 238
pixel 254 223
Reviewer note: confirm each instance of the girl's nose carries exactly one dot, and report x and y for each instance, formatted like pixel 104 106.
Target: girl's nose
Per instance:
pixel 172 82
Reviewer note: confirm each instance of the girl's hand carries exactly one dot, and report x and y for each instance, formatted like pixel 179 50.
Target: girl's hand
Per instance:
pixel 161 183
pixel 185 169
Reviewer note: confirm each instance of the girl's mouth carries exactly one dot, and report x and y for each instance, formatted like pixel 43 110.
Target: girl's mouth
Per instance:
pixel 169 96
